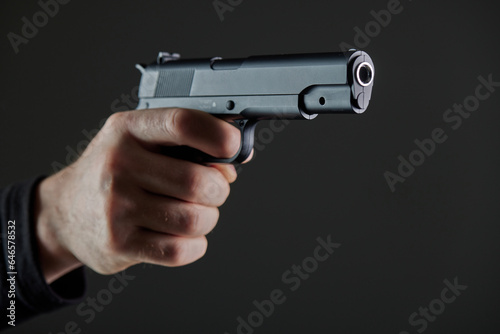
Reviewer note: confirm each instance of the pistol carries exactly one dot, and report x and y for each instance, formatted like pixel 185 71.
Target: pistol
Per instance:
pixel 246 90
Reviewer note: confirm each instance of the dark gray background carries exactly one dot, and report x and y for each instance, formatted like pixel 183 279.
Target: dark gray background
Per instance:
pixel 315 179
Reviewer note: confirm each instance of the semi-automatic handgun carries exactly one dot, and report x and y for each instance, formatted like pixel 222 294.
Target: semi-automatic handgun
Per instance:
pixel 247 90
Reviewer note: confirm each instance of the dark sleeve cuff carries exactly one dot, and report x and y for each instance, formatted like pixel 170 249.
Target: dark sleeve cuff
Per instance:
pixel 33 294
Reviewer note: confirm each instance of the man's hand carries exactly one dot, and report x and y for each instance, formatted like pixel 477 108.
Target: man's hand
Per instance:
pixel 122 203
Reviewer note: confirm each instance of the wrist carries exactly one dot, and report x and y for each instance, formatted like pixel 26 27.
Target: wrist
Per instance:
pixel 55 259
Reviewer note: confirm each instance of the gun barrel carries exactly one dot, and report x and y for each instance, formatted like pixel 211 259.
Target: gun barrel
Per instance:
pixel 364 74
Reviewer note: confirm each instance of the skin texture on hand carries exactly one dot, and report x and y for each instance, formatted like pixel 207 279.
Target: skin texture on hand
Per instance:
pixel 123 203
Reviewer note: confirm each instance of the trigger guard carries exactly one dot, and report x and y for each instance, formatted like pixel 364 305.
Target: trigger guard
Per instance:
pixel 247 129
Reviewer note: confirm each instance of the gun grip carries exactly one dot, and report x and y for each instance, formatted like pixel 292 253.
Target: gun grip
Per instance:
pixel 247 129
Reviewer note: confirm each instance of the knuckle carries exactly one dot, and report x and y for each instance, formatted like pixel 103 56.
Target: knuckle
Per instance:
pixel 176 122
pixel 113 177
pixel 207 185
pixel 217 189
pixel 175 252
pixel 193 181
pixel 115 121
pixel 191 221
pixel 117 226
pixel 114 162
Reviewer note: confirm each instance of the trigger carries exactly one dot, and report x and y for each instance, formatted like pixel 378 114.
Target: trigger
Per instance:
pixel 247 128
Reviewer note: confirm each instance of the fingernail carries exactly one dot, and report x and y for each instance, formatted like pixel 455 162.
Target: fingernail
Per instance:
pixel 232 172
